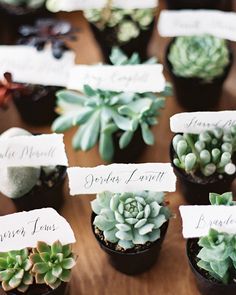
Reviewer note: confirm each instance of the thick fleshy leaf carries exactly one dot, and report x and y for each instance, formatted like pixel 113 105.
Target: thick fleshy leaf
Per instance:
pixel 65 275
pixel 147 228
pixel 125 244
pixel 14 282
pixel 148 137
pixel 131 220
pixel 45 256
pixel 140 223
pixel 55 285
pixel 43 247
pixel 49 278
pixel 114 202
pixel 35 258
pixel 41 267
pixel 71 97
pixel 138 239
pixel 56 247
pixel 19 274
pixel 89 90
pixel 103 224
pixel 63 123
pixel 123 227
pixel 96 207
pixel 155 209
pixel 5 275
pixel 23 288
pixel 39 278
pixel 68 263
pixel 108 214
pixel 121 122
pixel 66 250
pixel 125 139
pixel 154 235
pixel 141 105
pixel 124 235
pixel 119 217
pixel 3 263
pixel 56 271
pixel 110 235
pixel 28 279
pixel 106 146
pixel 158 221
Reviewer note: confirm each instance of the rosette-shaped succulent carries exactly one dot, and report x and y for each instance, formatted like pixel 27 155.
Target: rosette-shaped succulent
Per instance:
pixel 24 3
pixel 15 270
pixel 130 219
pixel 208 152
pixel 52 264
pixel 204 57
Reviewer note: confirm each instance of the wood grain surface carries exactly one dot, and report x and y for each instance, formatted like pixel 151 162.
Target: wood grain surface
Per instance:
pixel 93 275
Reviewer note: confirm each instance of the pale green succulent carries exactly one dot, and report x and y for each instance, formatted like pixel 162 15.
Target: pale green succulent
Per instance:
pixel 52 264
pixel 15 270
pixel 209 152
pixel 218 250
pixel 130 219
pixel 128 22
pixel 204 57
pixel 24 3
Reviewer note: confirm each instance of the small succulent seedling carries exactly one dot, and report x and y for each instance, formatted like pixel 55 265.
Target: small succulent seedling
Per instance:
pixel 24 3
pixel 130 219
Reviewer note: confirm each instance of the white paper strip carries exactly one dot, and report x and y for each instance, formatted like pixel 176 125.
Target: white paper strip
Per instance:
pixel 27 65
pixel 25 229
pixel 73 5
pixel 120 178
pixel 197 220
pixel 136 78
pixel 197 22
pixel 30 151
pixel 197 122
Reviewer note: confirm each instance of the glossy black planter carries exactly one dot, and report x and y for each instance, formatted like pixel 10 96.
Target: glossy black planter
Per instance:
pixel 133 263
pixel 197 193
pixel 43 196
pixel 194 94
pixel 36 104
pixel 107 39
pixel 199 4
pixel 205 285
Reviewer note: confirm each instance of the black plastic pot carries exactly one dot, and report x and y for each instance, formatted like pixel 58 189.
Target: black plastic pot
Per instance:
pixel 197 193
pixel 133 263
pixel 198 4
pixel 42 196
pixel 195 94
pixel 107 39
pixel 36 104
pixel 204 284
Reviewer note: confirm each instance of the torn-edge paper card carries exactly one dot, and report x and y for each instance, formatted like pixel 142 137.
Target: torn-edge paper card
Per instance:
pixel 198 220
pixel 129 78
pixel 196 122
pixel 25 229
pixel 119 178
pixel 197 22
pixel 31 151
pixel 27 65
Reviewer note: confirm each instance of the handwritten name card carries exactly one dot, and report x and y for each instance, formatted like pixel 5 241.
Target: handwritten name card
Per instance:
pixel 25 229
pixel 27 65
pixel 135 78
pixel 30 151
pixel 197 122
pixel 120 178
pixel 198 22
pixel 198 220
pixel 72 5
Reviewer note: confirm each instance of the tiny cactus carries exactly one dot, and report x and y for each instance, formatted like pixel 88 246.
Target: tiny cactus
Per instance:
pixel 15 270
pixel 52 264
pixel 130 219
pixel 209 152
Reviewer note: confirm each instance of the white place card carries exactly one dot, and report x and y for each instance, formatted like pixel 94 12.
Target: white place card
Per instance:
pixel 120 178
pixel 25 229
pixel 31 151
pixel 134 78
pixel 198 220
pixel 196 122
pixel 73 5
pixel 27 65
pixel 197 22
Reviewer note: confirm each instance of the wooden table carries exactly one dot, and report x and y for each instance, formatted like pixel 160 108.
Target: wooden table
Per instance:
pixel 93 275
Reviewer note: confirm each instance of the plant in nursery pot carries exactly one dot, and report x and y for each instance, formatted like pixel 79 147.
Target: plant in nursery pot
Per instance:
pixel 130 228
pixel 212 258
pixel 198 66
pixel 43 270
pixel 204 162
pixel 32 187
pixel 199 4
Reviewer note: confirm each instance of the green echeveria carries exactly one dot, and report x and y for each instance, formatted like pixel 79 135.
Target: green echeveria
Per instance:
pixel 15 270
pixel 130 219
pixel 218 250
pixel 204 57
pixel 25 3
pixel 208 152
pixel 52 264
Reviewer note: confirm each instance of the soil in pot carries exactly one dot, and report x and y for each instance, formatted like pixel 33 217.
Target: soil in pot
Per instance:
pixel 194 94
pixel 36 104
pixel 206 284
pixel 196 189
pixel 47 193
pixel 198 4
pixel 132 261
pixel 107 39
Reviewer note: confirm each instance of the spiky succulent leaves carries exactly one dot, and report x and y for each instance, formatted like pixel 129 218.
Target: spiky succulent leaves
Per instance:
pixel 204 57
pixel 225 199
pixel 26 3
pixel 15 270
pixel 52 264
pixel 130 219
pixel 209 152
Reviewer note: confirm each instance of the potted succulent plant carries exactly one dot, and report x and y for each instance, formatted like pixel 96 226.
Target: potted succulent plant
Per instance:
pixel 125 28
pixel 32 187
pixel 198 66
pixel 212 258
pixel 130 228
pixel 44 270
pixel 204 162
pixel 199 4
